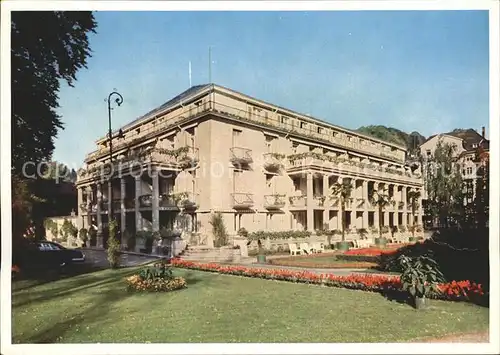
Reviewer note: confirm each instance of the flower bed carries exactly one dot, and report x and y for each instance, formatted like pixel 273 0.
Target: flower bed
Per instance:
pixel 371 251
pixel 158 278
pixel 325 265
pixel 456 291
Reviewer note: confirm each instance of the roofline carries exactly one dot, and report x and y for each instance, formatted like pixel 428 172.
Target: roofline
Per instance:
pixel 214 87
pixel 312 119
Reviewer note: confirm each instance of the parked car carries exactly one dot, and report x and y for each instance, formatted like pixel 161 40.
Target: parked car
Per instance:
pixel 46 254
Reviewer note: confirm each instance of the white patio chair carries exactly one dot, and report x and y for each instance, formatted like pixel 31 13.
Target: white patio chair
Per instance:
pixel 293 249
pixel 318 247
pixel 305 248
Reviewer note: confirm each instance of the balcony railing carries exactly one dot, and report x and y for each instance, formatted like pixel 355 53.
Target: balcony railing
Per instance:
pixel 298 201
pixel 265 118
pixel 323 161
pixel 146 201
pixel 188 156
pixel 241 155
pixel 273 162
pixel 319 200
pixel 187 200
pixel 167 201
pixel 274 201
pixel 401 205
pixel 242 200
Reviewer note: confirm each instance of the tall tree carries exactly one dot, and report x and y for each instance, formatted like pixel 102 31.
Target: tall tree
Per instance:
pixel 444 184
pixel 47 47
pixel 482 197
pixel 343 192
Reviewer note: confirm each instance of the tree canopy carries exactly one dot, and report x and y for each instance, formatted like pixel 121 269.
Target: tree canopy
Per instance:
pixel 46 47
pixel 393 135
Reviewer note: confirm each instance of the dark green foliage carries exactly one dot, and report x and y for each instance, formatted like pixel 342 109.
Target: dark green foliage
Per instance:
pixel 393 135
pixel 461 255
pixel 113 246
pixel 157 271
pixel 218 230
pixel 420 275
pixel 41 59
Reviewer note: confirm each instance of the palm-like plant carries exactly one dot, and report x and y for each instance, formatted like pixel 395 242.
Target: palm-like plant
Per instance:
pixel 381 199
pixel 414 196
pixel 343 192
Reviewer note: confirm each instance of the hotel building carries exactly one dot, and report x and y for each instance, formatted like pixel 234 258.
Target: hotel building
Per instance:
pixel 264 167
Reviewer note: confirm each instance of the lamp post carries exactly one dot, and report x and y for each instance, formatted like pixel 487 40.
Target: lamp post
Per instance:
pixel 118 100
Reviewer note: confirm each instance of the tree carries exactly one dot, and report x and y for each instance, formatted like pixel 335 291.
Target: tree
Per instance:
pixel 343 192
pixel 482 187
pixel 414 196
pixel 41 59
pixel 381 200
pixel 444 184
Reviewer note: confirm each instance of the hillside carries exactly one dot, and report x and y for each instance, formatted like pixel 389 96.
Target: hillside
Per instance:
pixel 393 135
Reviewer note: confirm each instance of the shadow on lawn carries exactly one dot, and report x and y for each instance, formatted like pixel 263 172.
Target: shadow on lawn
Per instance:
pixel 94 312
pixel 68 288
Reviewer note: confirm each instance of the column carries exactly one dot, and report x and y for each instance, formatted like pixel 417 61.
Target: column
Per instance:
pixel 340 215
pixel 326 205
pixel 405 206
pixel 80 200
pixel 376 219
pixel 138 192
pixel 420 209
pixel 354 218
pixel 154 206
pixel 99 217
pixel 90 198
pixel 123 214
pixel 110 201
pixel 365 204
pixel 309 204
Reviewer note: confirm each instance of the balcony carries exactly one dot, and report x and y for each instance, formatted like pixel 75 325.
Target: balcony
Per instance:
pixel 242 200
pixel 83 207
pixel 298 201
pixel 146 201
pixel 401 205
pixel 273 162
pixel 241 156
pixel 167 201
pixel 186 200
pixel 187 156
pixel 319 200
pixel 360 202
pixel 274 202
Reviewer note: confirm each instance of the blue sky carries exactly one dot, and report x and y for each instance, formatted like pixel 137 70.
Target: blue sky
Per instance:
pixel 415 70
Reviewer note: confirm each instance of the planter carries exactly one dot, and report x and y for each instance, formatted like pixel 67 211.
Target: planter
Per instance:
pixel 420 302
pixel 261 259
pixel 381 242
pixel 343 246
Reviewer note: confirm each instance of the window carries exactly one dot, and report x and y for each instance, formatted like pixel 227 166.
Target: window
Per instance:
pixel 294 147
pixel 283 119
pixel 428 152
pixel 236 137
pixel 303 125
pixel 138 130
pixel 320 130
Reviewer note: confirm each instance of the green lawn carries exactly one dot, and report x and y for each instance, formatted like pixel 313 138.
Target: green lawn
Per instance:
pixel 220 308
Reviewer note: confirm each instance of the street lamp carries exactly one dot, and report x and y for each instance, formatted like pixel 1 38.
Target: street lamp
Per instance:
pixel 118 100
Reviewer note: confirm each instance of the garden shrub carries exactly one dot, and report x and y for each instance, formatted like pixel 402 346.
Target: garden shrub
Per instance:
pixel 84 235
pixel 218 230
pixel 262 235
pixel 113 246
pixel 158 278
pixel 460 255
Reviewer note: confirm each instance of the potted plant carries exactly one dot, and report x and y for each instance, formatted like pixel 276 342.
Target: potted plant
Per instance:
pixel 420 276
pixel 84 237
pixel 381 200
pixel 261 255
pixel 343 192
